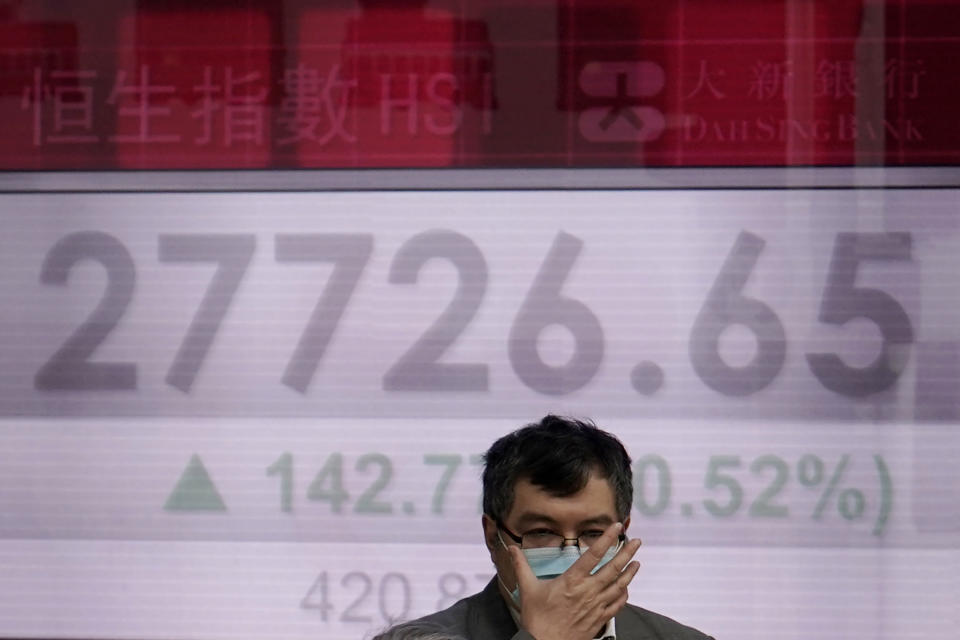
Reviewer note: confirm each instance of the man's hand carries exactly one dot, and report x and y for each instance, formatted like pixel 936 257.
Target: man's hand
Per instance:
pixel 575 605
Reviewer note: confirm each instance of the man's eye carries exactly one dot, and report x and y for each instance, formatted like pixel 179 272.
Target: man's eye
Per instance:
pixel 591 535
pixel 539 533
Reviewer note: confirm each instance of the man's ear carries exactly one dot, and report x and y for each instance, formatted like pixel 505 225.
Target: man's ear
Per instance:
pixel 626 523
pixel 489 533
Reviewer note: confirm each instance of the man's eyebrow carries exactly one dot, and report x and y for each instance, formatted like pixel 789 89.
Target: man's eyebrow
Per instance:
pixel 598 521
pixel 528 518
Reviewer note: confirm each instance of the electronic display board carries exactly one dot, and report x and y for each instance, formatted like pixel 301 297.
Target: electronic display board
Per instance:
pixel 262 410
pixel 275 275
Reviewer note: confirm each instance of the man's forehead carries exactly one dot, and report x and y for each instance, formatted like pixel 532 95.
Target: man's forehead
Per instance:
pixel 595 500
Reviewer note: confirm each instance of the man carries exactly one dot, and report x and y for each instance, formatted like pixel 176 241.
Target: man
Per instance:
pixel 556 502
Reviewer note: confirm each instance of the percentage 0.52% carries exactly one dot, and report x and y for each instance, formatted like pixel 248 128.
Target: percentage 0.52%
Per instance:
pixel 725 480
pixel 757 489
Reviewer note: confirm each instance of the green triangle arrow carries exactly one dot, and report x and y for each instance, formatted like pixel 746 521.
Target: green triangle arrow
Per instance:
pixel 195 490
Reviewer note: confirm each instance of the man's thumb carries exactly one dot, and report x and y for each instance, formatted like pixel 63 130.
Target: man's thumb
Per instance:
pixel 521 569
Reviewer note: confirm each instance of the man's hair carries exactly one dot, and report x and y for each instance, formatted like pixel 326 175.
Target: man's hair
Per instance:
pixel 557 455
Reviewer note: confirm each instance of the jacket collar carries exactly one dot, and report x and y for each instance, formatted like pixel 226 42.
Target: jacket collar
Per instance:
pixel 490 619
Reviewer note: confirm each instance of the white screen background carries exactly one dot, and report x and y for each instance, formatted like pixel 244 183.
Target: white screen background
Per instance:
pixel 244 507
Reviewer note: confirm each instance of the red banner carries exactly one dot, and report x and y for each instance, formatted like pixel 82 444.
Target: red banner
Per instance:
pixel 465 83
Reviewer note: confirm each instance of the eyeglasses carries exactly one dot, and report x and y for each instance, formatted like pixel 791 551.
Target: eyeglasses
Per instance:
pixel 546 539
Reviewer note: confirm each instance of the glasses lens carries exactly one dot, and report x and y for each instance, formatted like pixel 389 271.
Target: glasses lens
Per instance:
pixel 541 540
pixel 548 540
pixel 589 539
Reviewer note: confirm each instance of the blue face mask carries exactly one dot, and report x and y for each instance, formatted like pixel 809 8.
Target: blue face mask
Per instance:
pixel 547 564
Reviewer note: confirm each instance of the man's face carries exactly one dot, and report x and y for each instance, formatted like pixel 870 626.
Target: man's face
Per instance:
pixel 593 508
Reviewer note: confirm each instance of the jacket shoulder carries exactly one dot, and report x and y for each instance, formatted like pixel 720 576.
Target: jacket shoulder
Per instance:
pixel 482 616
pixel 654 625
pixel 449 621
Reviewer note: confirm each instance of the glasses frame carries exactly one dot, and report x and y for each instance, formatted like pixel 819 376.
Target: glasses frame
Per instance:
pixel 519 539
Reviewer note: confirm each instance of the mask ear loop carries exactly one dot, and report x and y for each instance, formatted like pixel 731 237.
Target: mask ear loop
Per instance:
pixel 514 599
pixel 620 546
pixel 608 556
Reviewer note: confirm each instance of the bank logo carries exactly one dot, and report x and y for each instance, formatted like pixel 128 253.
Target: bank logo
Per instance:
pixel 620 115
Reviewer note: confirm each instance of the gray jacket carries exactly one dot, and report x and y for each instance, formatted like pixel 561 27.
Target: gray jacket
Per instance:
pixel 484 616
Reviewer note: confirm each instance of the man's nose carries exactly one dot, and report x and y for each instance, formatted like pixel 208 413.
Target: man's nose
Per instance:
pixel 573 542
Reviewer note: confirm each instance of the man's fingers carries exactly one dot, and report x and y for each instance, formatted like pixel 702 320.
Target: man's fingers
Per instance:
pixel 614 607
pixel 614 596
pixel 610 571
pixel 592 556
pixel 619 586
pixel 629 574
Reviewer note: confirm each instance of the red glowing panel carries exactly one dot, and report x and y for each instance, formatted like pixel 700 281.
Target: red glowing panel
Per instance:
pixel 45 100
pixel 193 89
pixel 388 87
